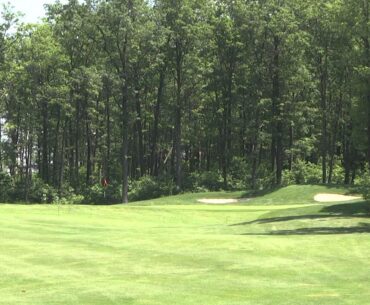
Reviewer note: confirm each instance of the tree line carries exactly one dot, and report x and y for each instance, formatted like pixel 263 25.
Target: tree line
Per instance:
pixel 122 90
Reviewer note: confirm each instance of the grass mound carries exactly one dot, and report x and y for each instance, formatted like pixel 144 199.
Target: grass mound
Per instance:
pixel 293 194
pixel 296 194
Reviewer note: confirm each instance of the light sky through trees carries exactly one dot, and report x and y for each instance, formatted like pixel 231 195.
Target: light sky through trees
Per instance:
pixel 32 10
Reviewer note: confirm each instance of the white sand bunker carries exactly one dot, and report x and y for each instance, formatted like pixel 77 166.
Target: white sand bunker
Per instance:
pixel 217 201
pixel 334 198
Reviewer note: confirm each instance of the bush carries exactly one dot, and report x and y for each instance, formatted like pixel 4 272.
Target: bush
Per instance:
pixel 288 177
pixel 39 191
pixel 310 173
pixel 362 184
pixel 6 187
pixel 145 188
pixel 72 199
pixel 306 173
pixel 210 180
pixel 239 173
pixel 338 174
pixel 100 195
pixel 148 187
pixel 167 185
pixel 265 179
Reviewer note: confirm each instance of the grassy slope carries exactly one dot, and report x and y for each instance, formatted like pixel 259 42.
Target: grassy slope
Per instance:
pixel 294 194
pixel 294 253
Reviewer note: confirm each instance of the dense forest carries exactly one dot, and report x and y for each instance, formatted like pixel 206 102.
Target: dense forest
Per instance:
pixel 107 100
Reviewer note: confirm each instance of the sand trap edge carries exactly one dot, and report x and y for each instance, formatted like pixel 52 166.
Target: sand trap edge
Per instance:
pixel 323 197
pixel 217 201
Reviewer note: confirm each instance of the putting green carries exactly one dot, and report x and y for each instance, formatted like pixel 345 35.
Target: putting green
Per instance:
pixel 185 254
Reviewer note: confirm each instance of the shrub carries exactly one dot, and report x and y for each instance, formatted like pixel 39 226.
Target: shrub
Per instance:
pixel 190 182
pixel 362 184
pixel 338 174
pixel 306 172
pixel 66 191
pixel 148 187
pixel 145 188
pixel 72 199
pixel 288 177
pixel 264 178
pixel 239 173
pixel 167 185
pixel 39 191
pixel 100 195
pixel 6 187
pixel 210 180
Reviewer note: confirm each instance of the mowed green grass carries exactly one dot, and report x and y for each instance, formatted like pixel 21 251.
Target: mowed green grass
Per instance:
pixel 282 248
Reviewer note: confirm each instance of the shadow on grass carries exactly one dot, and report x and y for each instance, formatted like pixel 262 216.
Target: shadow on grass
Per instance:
pixel 344 210
pixel 357 210
pixel 361 228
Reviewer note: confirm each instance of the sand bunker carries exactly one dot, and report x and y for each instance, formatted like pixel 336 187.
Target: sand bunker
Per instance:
pixel 217 201
pixel 334 198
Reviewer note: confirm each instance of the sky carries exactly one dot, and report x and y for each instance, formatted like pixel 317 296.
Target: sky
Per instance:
pixel 33 10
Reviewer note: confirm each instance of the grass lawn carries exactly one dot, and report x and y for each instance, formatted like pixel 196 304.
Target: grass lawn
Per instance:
pixel 281 248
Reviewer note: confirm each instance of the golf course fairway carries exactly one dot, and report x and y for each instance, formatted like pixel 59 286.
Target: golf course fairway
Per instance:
pixel 266 251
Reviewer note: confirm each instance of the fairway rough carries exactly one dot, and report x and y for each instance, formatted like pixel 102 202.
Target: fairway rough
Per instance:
pixel 334 198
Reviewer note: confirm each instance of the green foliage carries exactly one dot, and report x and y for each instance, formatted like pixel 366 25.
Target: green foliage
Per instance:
pixel 362 184
pixel 310 173
pixel 39 191
pixel 213 93
pixel 265 178
pixel 207 180
pixel 289 178
pixel 305 173
pixel 97 194
pixel 338 174
pixel 148 187
pixel 6 187
pixel 72 199
pixel 239 174
pixel 145 188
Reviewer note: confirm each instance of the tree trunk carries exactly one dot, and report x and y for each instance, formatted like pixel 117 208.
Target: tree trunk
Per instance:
pixel 125 144
pixel 108 128
pixel 28 166
pixel 77 147
pixel 1 147
pixel 366 43
pixel 45 138
pixel 224 146
pixel 277 133
pixel 56 152
pixel 178 117
pixel 157 109
pixel 139 129
pixel 71 153
pixel 88 157
pixel 291 137
pixel 324 131
pixel 62 156
pixel 338 110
